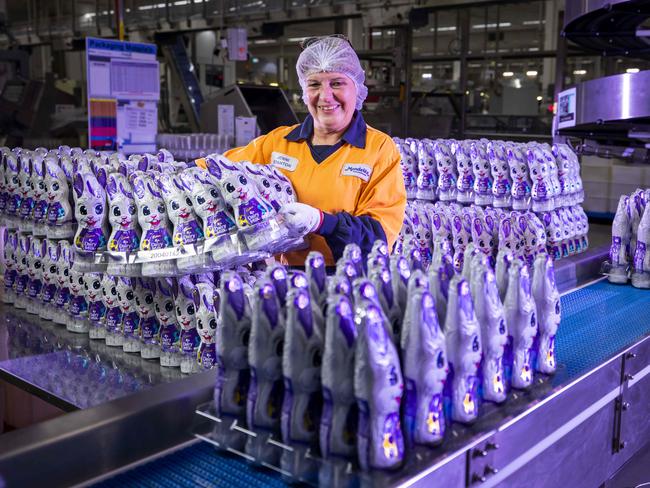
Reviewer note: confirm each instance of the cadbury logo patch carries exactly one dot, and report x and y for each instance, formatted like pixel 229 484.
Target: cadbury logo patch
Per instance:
pixel 362 171
pixel 283 161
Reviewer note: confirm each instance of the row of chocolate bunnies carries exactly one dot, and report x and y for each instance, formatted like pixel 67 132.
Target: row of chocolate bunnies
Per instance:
pixel 521 176
pixel 298 350
pixel 147 215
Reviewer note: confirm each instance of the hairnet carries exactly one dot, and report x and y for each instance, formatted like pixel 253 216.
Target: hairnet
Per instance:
pixel 331 55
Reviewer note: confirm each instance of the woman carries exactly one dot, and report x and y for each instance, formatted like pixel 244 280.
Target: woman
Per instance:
pixel 346 175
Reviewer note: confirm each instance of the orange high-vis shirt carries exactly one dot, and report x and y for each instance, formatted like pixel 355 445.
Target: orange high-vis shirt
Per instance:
pixel 360 181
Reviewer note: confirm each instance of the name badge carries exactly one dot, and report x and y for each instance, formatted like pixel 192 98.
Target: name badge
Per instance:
pixel 283 161
pixel 362 171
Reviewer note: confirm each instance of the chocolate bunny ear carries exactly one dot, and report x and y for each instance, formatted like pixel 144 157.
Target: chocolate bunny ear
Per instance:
pixel 111 186
pixel 93 185
pixel 505 228
pixel 78 185
pixel 164 286
pixel 213 167
pixel 478 227
pixel 137 183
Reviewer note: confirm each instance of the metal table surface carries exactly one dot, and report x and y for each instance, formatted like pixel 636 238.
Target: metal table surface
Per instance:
pixel 599 322
pixel 69 370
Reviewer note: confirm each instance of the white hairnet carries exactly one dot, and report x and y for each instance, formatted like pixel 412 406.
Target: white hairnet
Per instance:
pixel 332 55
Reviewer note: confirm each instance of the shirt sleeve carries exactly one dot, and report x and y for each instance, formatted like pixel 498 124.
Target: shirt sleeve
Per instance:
pixel 379 213
pixel 342 228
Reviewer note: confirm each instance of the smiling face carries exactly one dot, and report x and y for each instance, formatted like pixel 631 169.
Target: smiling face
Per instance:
pixel 92 286
pixel 109 291
pixel 331 101
pixel 185 311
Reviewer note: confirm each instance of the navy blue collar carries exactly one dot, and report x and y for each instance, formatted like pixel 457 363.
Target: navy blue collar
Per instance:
pixel 355 135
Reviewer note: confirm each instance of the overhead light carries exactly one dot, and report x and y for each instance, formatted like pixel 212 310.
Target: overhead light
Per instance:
pixel 491 26
pixel 427 76
pixel 632 70
pixel 533 22
pixel 448 28
pixel 508 74
pixel 273 83
pixel 539 98
pixel 255 60
pixel 298 39
pixel 579 71
pixel 532 73
pixel 264 41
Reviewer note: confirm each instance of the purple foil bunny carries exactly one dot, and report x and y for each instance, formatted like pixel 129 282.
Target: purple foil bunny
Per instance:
pixel 463 338
pixel 482 174
pixel 206 324
pixel 113 320
pixel 378 388
pixel 186 227
pixel 446 166
pixel 186 318
pixel 501 186
pixel 90 212
pixel 152 217
pixel 170 332
pixel 425 370
pixel 337 425
pixel 233 334
pixel 547 301
pixel 125 232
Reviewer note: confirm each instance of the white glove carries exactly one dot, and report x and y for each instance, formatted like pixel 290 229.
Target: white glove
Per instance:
pixel 301 219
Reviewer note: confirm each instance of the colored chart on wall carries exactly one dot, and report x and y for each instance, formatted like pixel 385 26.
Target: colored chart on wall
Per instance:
pixel 102 124
pixel 123 80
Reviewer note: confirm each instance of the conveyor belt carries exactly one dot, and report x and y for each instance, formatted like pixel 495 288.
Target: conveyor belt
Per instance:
pixel 598 321
pixel 195 466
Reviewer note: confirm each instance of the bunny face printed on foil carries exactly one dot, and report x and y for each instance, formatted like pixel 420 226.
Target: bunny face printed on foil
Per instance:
pixel 461 227
pixel 465 183
pixel 482 174
pixel 90 212
pixel 208 203
pixel 35 257
pixel 12 185
pixel 482 238
pixel 378 387
pixel 521 184
pixel 125 233
pixel 59 210
pixel 25 186
pixel 206 324
pixel 408 163
pixel 551 163
pixel 446 166
pixel 39 190
pixel 152 214
pixel 502 185
pixel 247 206
pixel 180 209
pixel 542 190
pixel 426 180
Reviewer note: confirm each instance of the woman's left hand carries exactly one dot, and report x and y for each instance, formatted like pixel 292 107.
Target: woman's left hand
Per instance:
pixel 301 219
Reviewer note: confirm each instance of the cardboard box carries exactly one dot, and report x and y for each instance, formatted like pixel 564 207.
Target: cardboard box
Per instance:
pixel 245 130
pixel 226 119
